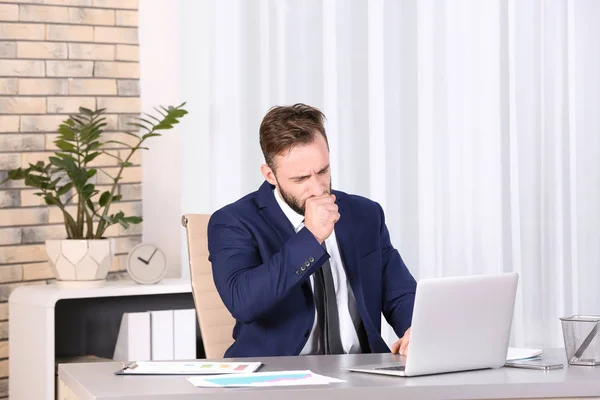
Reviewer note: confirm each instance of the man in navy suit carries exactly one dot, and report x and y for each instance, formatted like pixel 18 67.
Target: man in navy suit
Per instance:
pixel 305 269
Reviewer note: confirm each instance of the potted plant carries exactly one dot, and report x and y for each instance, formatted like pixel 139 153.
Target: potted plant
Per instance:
pixel 83 258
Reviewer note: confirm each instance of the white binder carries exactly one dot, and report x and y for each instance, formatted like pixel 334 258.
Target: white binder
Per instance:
pixel 161 330
pixel 184 323
pixel 133 342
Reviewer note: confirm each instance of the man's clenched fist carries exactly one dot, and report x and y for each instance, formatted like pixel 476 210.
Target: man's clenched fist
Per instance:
pixel 320 215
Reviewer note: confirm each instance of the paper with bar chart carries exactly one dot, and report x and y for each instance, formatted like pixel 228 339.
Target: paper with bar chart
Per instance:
pixel 188 368
pixel 264 379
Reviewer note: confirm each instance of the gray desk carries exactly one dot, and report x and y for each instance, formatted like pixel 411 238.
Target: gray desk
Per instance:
pixel 97 381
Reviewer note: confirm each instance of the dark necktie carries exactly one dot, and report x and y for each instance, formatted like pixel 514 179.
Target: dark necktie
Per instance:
pixel 327 310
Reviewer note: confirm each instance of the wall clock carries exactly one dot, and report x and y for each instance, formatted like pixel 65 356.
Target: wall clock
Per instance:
pixel 146 264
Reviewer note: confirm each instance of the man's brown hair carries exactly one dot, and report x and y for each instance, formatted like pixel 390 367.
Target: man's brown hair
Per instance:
pixel 285 127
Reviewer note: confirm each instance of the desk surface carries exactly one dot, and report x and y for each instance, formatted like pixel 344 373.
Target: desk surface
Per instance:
pixel 97 381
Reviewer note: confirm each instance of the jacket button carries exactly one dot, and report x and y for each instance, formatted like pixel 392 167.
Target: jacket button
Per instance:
pixel 306 333
pixel 298 272
pixel 307 264
pixel 311 259
pixel 303 268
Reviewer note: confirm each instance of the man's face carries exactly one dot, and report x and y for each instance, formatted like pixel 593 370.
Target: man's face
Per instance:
pixel 301 173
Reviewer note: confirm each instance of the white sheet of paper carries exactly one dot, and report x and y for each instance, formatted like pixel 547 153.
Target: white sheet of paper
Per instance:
pixel 192 368
pixel 515 353
pixel 263 379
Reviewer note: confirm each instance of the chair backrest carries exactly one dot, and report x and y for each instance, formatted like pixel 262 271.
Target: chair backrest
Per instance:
pixel 216 323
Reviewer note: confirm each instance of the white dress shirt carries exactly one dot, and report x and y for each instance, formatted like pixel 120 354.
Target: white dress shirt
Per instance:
pixel 350 342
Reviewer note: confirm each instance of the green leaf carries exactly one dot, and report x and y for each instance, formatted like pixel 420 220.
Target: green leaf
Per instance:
pixel 52 185
pixel 78 121
pixel 94 146
pixel 98 123
pixel 59 162
pixel 17 174
pixel 86 111
pixel 162 126
pixel 90 134
pixel 66 132
pixel 149 135
pixel 104 198
pixel 33 168
pixel 79 176
pixel 133 219
pixel 33 181
pixel 125 164
pixel 91 172
pixel 51 200
pixel 65 146
pixel 66 156
pixel 88 191
pixel 90 157
pixel 117 197
pixel 64 189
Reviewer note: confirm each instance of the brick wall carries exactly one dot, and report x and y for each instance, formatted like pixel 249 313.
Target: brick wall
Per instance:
pixel 57 55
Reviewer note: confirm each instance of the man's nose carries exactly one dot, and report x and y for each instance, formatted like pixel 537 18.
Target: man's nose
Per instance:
pixel 317 188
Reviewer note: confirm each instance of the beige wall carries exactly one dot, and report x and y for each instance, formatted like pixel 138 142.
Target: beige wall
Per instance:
pixel 57 55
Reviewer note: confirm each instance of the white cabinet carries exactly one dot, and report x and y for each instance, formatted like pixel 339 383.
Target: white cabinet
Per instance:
pixel 31 311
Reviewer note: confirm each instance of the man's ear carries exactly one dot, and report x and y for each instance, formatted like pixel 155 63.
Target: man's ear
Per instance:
pixel 268 174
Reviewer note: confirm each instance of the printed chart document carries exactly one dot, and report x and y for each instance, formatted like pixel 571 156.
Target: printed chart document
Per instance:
pixel 187 368
pixel 264 379
pixel 522 354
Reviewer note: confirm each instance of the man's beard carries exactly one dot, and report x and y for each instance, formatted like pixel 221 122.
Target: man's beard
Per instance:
pixel 293 202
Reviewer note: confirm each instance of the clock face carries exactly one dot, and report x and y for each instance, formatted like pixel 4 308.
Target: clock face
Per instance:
pixel 146 264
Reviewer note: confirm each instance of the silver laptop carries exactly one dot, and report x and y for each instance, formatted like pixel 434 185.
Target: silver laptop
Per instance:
pixel 459 323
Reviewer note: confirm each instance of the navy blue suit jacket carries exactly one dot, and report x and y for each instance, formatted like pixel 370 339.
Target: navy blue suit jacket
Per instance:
pixel 257 257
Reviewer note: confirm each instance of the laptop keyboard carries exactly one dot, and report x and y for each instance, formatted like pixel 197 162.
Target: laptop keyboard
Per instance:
pixel 393 368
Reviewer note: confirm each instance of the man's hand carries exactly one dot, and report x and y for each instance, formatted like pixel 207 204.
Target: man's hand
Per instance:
pixel 401 345
pixel 320 215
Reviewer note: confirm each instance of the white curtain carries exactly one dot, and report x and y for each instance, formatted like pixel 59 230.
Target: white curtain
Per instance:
pixel 476 125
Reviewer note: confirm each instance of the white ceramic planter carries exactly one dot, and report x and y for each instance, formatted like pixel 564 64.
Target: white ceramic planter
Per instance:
pixel 80 263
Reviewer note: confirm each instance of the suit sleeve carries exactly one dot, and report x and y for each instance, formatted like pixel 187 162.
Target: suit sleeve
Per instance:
pixel 248 285
pixel 399 286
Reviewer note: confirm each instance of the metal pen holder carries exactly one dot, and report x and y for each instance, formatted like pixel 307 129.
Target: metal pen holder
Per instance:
pixel 581 336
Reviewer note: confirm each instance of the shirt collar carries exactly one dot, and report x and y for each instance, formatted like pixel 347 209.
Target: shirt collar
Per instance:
pixel 295 219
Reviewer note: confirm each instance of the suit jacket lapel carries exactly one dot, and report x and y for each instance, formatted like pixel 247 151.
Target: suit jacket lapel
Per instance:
pixel 272 213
